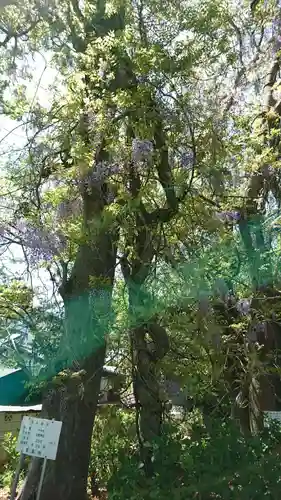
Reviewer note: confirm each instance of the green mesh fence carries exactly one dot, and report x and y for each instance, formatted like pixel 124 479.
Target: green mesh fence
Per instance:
pixel 229 265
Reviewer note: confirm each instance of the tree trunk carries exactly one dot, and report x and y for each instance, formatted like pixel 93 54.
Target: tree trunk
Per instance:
pixel 261 394
pixel 147 390
pixel 149 341
pixel 66 477
pixel 74 401
pixel 73 396
pixel 149 344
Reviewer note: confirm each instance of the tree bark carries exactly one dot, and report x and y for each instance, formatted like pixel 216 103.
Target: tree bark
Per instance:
pixel 74 400
pixel 150 404
pixel 82 351
pixel 262 388
pixel 149 340
pixel 66 477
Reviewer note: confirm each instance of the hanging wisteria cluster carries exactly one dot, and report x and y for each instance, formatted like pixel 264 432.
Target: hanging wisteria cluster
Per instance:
pixel 243 306
pixel 141 153
pixel 69 208
pixel 186 159
pixel 276 32
pixel 141 150
pixel 39 244
pixel 99 174
pixel 229 216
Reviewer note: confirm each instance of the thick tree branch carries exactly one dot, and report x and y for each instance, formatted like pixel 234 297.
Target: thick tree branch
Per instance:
pixel 269 100
pixel 16 34
pixel 160 339
pixel 254 4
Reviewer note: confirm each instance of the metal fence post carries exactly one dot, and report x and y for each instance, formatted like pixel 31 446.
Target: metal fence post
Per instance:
pixel 41 479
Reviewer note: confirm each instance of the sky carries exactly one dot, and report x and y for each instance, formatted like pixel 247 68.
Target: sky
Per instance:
pixel 12 139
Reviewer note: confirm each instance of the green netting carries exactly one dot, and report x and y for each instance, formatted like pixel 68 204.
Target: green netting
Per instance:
pixel 224 266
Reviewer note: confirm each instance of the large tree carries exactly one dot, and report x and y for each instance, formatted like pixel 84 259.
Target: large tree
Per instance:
pixel 136 138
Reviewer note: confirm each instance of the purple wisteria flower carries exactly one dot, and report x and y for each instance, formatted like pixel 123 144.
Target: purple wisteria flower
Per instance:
pixel 261 327
pixel 276 34
pixel 67 208
pixel 63 210
pixel 39 243
pixel 243 306
pixel 141 150
pixel 229 216
pixel 110 197
pixel 256 331
pixel 187 159
pixel 100 173
pixel 267 170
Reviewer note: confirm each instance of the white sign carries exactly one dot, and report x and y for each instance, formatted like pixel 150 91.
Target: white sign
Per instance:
pixel 39 437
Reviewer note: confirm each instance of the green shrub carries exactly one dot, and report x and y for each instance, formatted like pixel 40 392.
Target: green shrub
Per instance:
pixel 9 445
pixel 199 464
pixel 113 439
pixel 9 468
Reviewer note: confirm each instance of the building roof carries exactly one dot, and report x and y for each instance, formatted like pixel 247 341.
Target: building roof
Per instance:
pixel 13 389
pixel 7 371
pixel 19 409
